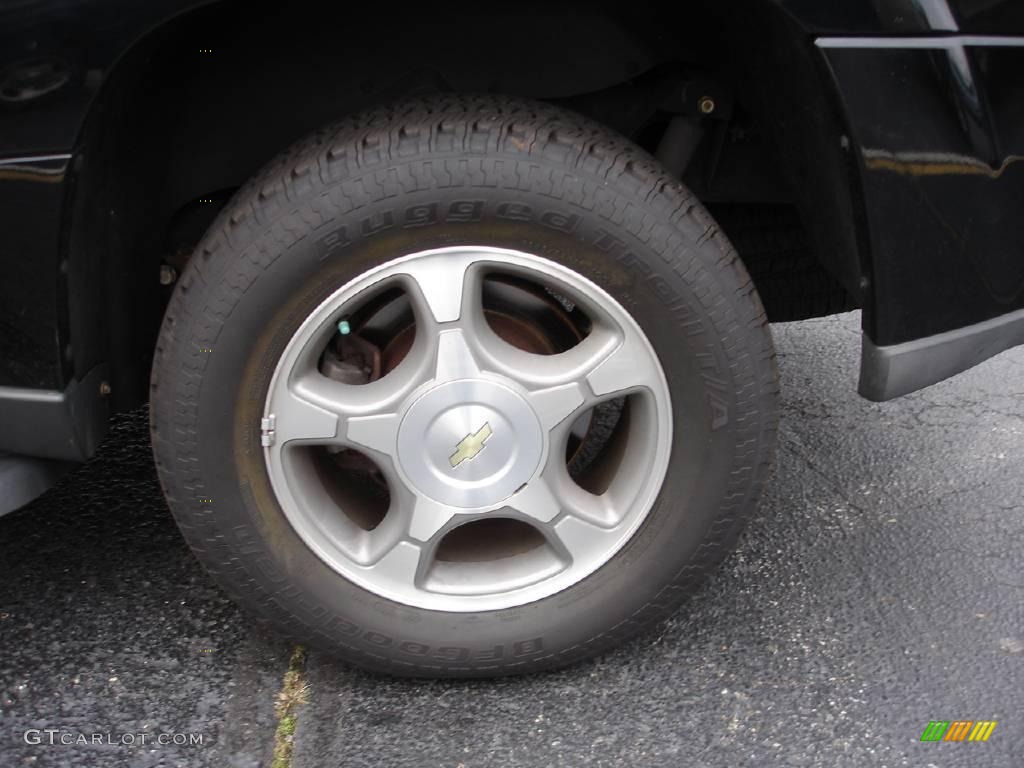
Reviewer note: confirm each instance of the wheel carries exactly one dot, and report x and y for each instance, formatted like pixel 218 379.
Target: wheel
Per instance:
pixel 463 387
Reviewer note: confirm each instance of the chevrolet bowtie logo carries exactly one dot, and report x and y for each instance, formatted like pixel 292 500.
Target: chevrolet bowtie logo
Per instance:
pixel 470 445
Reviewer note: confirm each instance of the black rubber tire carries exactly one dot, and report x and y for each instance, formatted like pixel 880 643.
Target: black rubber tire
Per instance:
pixel 460 170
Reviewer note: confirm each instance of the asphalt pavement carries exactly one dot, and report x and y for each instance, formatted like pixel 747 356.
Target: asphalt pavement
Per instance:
pixel 879 588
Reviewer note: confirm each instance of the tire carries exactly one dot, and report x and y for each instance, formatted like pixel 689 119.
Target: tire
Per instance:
pixel 449 173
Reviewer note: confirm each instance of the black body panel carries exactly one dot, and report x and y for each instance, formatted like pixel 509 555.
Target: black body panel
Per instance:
pixel 940 132
pixel 54 57
pixel 32 318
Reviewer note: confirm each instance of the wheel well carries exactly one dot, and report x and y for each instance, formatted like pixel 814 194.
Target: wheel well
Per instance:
pixel 202 102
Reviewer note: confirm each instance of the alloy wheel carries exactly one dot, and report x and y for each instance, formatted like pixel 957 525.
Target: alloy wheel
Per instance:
pixel 467 429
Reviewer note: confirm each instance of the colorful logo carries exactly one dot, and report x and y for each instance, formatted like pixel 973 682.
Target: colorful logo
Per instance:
pixel 958 730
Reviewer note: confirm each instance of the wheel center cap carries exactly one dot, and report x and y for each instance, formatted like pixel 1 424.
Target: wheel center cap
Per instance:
pixel 470 442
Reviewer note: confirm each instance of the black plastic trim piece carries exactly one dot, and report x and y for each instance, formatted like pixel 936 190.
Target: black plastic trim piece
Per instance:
pixel 49 424
pixel 23 478
pixel 891 371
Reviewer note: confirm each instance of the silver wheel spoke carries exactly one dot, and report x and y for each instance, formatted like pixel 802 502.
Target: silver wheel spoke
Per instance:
pixel 596 368
pixel 428 518
pixel 379 432
pixel 607 362
pixel 579 539
pixel 629 366
pixel 399 565
pixel 582 504
pixel 317 410
pixel 347 400
pixel 538 371
pixel 454 357
pixel 537 501
pixel 440 288
pixel 296 418
pixel 554 404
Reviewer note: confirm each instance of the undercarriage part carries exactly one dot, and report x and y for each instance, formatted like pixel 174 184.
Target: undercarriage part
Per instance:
pixel 679 142
pixel 792 283
pixel 351 359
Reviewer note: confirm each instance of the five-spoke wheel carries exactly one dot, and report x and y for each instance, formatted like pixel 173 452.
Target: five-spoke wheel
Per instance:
pixel 468 427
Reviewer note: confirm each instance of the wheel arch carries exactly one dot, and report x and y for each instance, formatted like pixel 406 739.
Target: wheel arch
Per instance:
pixel 174 129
